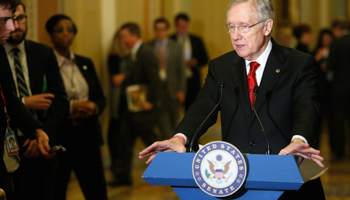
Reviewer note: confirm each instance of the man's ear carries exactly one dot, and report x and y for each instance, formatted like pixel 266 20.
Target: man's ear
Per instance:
pixel 268 27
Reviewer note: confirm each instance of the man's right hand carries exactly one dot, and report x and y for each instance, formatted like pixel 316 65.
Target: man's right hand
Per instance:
pixel 117 79
pixel 43 144
pixel 39 101
pixel 172 145
pixel 84 108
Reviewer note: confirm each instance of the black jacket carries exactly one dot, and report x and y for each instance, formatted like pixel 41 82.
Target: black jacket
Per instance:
pixel 286 102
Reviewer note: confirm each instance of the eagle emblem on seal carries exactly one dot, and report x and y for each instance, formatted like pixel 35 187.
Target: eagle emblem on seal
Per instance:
pixel 219 169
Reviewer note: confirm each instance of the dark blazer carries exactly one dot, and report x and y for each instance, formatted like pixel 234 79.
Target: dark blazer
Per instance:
pixel 194 82
pixel 198 52
pixel 198 49
pixel 175 68
pixel 286 102
pixel 338 61
pixel 303 48
pixel 41 61
pixel 143 69
pixel 20 117
pixel 96 95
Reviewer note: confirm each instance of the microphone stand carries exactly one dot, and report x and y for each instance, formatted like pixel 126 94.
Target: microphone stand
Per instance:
pixel 200 126
pixel 256 89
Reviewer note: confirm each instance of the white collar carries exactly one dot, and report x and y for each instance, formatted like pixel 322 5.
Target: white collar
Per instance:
pixel 135 48
pixel 163 41
pixel 8 47
pixel 61 59
pixel 262 59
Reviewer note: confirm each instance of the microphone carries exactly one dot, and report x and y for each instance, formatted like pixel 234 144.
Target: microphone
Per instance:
pixel 200 126
pixel 256 90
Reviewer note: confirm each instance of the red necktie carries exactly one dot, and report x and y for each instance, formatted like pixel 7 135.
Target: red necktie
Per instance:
pixel 161 55
pixel 251 78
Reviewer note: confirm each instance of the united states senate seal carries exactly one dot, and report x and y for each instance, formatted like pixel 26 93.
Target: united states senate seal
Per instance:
pixel 219 169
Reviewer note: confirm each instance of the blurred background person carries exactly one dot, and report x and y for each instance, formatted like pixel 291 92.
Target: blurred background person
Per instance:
pixel 338 62
pixel 141 70
pixel 117 61
pixel 324 75
pixel 284 36
pixel 195 56
pixel 99 20
pixel 80 131
pixel 37 82
pixel 340 27
pixel 171 68
pixel 303 35
pixel 14 115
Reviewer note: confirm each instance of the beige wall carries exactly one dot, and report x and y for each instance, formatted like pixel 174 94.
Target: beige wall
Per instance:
pixel 47 9
pixel 87 17
pixel 208 19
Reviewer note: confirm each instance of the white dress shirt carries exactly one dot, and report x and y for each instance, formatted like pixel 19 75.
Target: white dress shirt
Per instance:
pixel 74 81
pixel 162 71
pixel 185 42
pixel 23 60
pixel 262 60
pixel 134 49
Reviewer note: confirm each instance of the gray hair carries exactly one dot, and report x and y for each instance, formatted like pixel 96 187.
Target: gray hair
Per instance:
pixel 264 8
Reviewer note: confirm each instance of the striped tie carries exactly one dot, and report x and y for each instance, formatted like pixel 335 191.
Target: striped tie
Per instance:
pixel 21 83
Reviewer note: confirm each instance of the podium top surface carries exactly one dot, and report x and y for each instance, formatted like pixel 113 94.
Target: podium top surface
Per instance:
pixel 264 171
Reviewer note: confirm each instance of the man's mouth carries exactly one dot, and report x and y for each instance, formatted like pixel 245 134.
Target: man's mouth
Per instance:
pixel 6 37
pixel 16 31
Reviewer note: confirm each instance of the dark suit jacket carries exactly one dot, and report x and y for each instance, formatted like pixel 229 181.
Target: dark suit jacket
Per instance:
pixel 338 61
pixel 143 69
pixel 175 68
pixel 96 95
pixel 286 102
pixel 20 117
pixel 198 49
pixel 198 52
pixel 41 61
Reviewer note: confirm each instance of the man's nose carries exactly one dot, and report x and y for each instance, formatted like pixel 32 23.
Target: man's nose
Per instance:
pixel 235 35
pixel 16 24
pixel 11 25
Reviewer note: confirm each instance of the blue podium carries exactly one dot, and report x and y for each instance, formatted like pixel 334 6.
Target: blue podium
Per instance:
pixel 268 176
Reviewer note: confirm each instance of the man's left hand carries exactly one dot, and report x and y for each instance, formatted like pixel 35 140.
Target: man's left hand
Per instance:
pixel 32 149
pixel 146 105
pixel 43 144
pixel 181 97
pixel 192 63
pixel 302 149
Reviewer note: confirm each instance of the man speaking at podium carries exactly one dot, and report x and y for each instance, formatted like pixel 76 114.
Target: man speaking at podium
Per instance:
pixel 278 82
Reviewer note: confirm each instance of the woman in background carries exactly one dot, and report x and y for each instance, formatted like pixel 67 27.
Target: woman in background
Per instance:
pixel 303 34
pixel 324 75
pixel 117 61
pixel 80 132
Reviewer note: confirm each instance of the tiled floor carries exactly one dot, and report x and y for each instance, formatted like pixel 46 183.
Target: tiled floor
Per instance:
pixel 336 181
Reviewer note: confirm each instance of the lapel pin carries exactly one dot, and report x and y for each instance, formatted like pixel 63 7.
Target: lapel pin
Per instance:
pixel 278 71
pixel 84 67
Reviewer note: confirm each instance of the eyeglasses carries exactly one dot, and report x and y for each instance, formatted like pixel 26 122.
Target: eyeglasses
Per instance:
pixel 20 19
pixel 241 29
